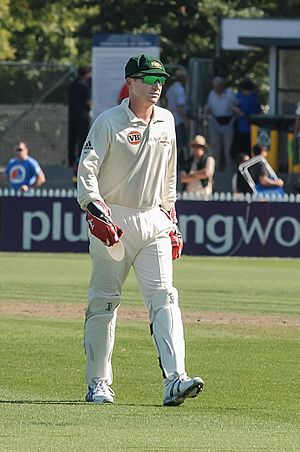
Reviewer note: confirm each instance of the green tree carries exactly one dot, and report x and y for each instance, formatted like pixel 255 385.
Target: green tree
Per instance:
pixel 61 30
pixel 41 31
pixel 6 50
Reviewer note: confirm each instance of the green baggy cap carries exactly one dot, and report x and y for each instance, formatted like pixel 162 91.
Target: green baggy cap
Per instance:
pixel 145 64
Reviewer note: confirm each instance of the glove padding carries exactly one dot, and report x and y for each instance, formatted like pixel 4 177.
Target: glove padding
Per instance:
pixel 175 235
pixel 177 242
pixel 98 216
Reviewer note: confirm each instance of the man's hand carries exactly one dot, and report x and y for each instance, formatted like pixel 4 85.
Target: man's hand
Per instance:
pixel 24 188
pixel 280 182
pixel 98 216
pixel 177 242
pixel 175 234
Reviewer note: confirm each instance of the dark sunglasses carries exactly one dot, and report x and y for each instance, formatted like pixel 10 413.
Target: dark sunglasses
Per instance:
pixel 19 149
pixel 151 79
pixel 197 146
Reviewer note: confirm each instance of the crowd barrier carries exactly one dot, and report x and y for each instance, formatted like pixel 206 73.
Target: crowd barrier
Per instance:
pixel 226 225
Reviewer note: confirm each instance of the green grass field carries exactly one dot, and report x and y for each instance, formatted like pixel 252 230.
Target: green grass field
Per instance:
pixel 251 369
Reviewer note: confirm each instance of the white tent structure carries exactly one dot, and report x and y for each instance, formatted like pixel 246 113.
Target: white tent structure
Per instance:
pixel 282 37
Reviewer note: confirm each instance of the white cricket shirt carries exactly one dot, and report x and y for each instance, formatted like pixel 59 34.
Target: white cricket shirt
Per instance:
pixel 176 97
pixel 128 162
pixel 221 104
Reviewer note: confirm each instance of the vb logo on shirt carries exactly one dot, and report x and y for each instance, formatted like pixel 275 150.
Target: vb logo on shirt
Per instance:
pixel 134 137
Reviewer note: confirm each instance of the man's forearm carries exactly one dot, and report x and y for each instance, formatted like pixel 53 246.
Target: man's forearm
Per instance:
pixel 268 182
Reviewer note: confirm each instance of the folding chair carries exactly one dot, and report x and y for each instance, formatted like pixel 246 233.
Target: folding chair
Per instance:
pixel 259 189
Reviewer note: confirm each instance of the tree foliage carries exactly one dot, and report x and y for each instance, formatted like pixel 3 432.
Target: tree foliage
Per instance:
pixel 61 30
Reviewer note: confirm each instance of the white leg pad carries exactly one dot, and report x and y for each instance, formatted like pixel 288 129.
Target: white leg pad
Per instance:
pixel 167 331
pixel 99 338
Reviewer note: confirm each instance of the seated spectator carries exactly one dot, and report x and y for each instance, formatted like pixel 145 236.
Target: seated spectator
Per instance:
pixel 22 171
pixel 198 169
pixel 239 184
pixel 262 178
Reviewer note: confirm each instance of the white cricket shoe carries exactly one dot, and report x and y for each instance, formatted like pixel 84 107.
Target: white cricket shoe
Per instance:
pixel 179 389
pixel 100 393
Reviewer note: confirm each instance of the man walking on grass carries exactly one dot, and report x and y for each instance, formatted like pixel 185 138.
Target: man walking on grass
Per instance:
pixel 127 185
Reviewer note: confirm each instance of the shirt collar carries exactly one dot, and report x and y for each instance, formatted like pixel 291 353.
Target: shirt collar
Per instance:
pixel 157 112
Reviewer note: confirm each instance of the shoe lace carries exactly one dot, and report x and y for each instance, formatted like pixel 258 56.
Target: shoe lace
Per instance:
pixel 183 377
pixel 103 386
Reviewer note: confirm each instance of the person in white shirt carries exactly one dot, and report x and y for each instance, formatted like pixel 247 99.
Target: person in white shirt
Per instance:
pixel 199 169
pixel 177 104
pixel 127 185
pixel 222 106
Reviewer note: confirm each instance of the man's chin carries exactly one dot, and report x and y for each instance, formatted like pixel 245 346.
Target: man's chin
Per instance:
pixel 154 98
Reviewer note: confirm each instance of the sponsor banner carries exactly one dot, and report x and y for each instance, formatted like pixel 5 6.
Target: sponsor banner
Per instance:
pixel 223 228
pixel 214 228
pixel 43 224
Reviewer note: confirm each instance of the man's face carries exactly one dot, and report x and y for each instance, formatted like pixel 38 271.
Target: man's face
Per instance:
pixel 140 89
pixel 198 150
pixel 21 151
pixel 219 88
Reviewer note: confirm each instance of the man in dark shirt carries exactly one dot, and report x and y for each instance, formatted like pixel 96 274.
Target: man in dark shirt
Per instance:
pixel 79 112
pixel 239 183
pixel 260 173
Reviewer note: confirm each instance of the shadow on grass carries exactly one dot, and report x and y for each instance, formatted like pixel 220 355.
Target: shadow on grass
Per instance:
pixel 73 402
pixel 44 402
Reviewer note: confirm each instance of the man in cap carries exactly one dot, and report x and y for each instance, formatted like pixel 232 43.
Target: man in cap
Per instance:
pixel 127 185
pixel 199 169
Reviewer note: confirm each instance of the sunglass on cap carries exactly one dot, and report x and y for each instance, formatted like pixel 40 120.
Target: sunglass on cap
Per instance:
pixel 151 79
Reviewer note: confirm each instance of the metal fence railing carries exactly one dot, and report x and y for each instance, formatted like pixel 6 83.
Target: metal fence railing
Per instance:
pixel 34 109
pixel 216 196
pixel 44 127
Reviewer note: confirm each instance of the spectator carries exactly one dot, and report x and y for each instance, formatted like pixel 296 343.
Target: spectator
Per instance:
pixel 176 103
pixel 239 184
pixel 79 112
pixel 297 121
pixel 260 174
pixel 295 159
pixel 24 172
pixel 248 104
pixel 123 94
pixel 199 169
pixel 222 106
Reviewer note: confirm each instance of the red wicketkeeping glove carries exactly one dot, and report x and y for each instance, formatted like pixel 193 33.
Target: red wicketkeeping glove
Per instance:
pixel 177 242
pixel 98 216
pixel 175 234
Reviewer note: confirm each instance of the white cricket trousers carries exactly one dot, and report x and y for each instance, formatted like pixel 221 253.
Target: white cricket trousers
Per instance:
pixel 148 250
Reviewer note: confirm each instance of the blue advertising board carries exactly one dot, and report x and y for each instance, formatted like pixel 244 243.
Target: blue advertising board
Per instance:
pixel 209 228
